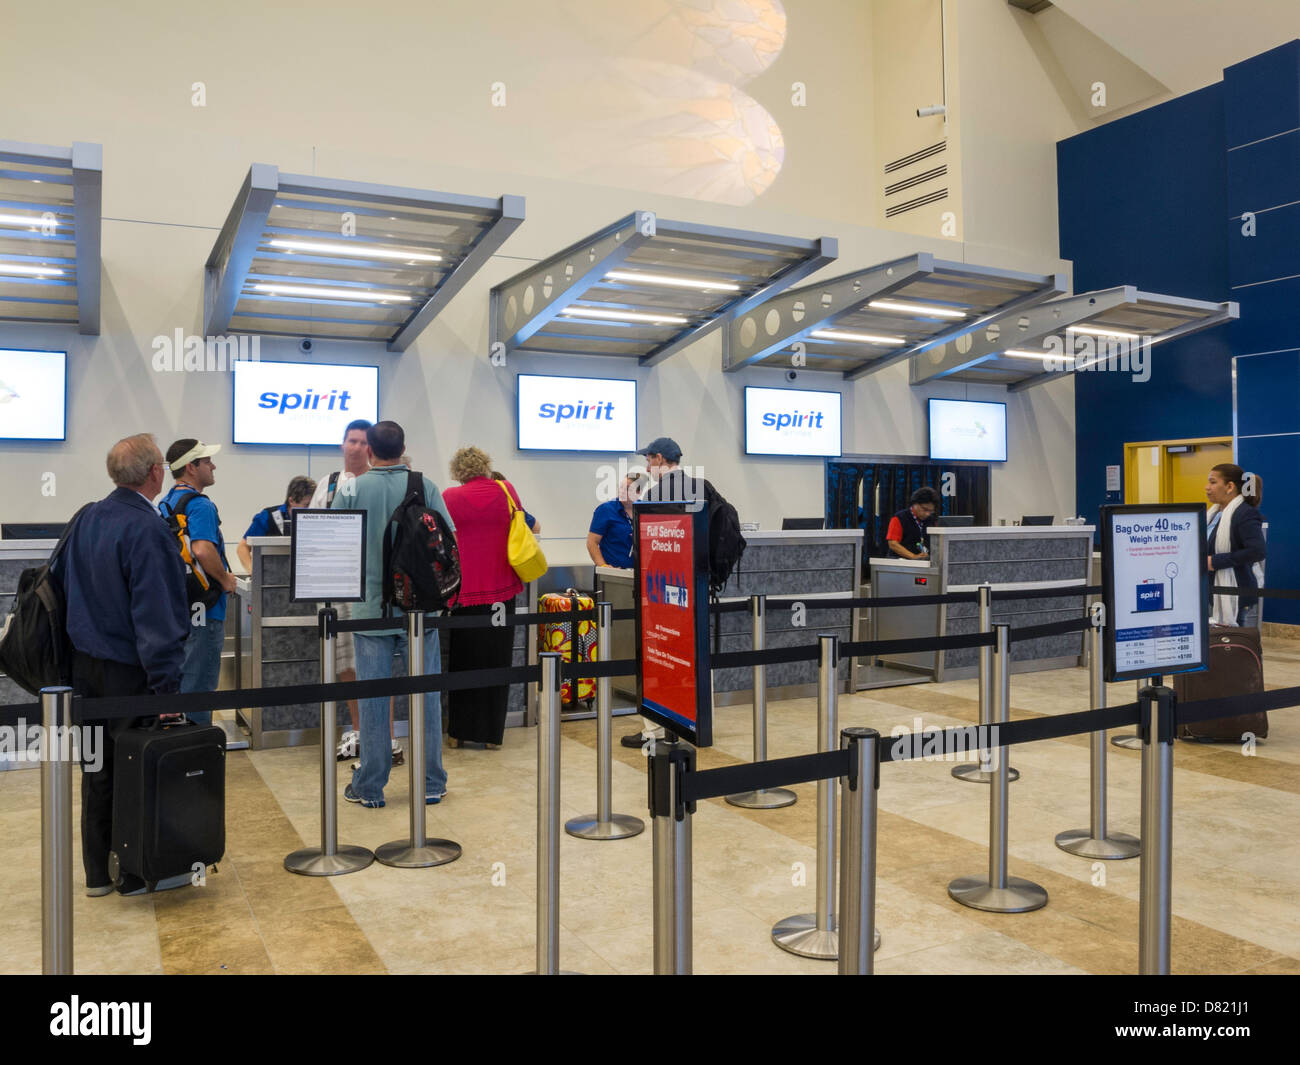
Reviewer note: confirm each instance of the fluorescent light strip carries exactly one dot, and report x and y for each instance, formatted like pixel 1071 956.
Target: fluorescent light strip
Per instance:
pixel 675 282
pixel 30 271
pixel 1102 332
pixel 331 293
pixel 1028 354
pixel 35 221
pixel 915 308
pixel 624 316
pixel 862 338
pixel 355 251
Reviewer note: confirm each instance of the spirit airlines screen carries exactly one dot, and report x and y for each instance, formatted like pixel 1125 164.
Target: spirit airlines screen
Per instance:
pixel 301 402
pixel 792 421
pixel 576 414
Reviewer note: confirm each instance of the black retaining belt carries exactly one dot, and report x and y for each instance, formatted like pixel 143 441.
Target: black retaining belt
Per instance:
pixel 774 773
pixel 1048 593
pixel 1263 593
pixel 1055 628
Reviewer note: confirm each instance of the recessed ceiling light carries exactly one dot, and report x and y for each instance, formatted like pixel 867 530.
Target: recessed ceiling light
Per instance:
pixel 30 271
pixel 1102 332
pixel 331 293
pixel 673 282
pixel 624 316
pixel 862 338
pixel 28 220
pixel 915 308
pixel 355 251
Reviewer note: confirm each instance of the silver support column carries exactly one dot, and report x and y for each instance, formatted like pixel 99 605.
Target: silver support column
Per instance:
pixel 671 847
pixel 858 854
pixel 417 852
pixel 813 935
pixel 603 824
pixel 999 893
pixel 981 772
pixel 56 831
pixel 548 816
pixel 1095 841
pixel 1156 874
pixel 331 858
pixel 762 798
pixel 1130 741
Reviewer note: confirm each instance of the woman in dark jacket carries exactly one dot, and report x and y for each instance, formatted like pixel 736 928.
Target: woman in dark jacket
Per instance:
pixel 1235 540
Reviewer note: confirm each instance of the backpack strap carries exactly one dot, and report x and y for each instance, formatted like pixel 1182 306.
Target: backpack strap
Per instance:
pixel 415 487
pixel 333 487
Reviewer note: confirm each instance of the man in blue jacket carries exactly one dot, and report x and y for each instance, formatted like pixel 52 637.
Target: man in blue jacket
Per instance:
pixel 127 619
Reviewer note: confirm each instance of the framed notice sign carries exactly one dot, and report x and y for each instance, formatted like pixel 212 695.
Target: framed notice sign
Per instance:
pixel 1155 588
pixel 327 556
pixel 672 619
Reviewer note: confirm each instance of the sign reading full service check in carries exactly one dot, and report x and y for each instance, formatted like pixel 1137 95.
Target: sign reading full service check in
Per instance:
pixel 1155 589
pixel 672 616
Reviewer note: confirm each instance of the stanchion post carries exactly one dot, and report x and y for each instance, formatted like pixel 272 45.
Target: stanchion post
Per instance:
pixel 670 764
pixel 331 858
pixel 1155 900
pixel 981 772
pixel 858 937
pixel 761 798
pixel 999 893
pixel 56 831
pixel 813 935
pixel 548 815
pixel 1096 841
pixel 603 824
pixel 417 852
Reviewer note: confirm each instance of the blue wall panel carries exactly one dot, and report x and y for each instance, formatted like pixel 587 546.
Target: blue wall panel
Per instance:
pixel 1268 393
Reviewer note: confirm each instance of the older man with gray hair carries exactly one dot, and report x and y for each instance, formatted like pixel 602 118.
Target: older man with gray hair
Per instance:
pixel 128 618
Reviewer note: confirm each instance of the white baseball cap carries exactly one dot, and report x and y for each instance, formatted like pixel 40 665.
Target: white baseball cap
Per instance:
pixel 199 451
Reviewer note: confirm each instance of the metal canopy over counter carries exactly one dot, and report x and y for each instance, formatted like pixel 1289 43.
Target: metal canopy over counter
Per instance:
pixel 814 563
pixel 1010 558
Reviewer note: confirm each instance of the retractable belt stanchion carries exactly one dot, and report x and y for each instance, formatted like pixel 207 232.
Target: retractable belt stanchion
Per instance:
pixel 980 772
pixel 999 893
pixel 762 798
pixel 1157 732
pixel 331 858
pixel 56 832
pixel 418 852
pixel 603 824
pixel 548 816
pixel 858 936
pixel 1130 741
pixel 671 847
pixel 813 935
pixel 1096 841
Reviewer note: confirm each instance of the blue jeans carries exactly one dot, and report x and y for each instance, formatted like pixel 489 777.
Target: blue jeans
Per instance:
pixel 201 670
pixel 375 657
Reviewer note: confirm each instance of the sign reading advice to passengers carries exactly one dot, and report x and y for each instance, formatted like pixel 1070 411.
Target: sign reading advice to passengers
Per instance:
pixel 327 556
pixel 672 618
pixel 1155 589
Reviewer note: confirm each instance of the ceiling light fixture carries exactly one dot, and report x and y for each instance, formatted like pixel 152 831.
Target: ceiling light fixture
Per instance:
pixel 1102 332
pixel 355 251
pixel 35 221
pixel 624 316
pixel 331 293
pixel 673 282
pixel 915 308
pixel 30 271
pixel 861 338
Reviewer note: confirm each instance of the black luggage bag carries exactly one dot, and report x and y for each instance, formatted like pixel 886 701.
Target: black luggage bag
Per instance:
pixel 1236 668
pixel 169 801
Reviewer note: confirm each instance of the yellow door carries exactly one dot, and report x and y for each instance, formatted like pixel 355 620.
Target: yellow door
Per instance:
pixel 1172 471
pixel 1188 470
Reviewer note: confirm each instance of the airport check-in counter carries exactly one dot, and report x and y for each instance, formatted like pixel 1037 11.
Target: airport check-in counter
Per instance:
pixel 811 563
pixel 284 648
pixel 1009 558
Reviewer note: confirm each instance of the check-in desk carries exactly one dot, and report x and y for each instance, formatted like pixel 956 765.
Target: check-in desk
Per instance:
pixel 1010 558
pixel 284 648
pixel 811 563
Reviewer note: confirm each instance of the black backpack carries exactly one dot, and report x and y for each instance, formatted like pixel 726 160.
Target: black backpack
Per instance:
pixel 726 544
pixel 35 651
pixel 199 588
pixel 421 561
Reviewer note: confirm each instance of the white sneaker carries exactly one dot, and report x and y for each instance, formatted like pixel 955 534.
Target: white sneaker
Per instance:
pixel 399 758
pixel 349 746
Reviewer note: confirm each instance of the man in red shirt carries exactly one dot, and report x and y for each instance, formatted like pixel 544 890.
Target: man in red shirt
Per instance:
pixel 907 536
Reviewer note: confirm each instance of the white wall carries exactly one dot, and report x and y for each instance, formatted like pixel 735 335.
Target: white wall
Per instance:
pixel 398 94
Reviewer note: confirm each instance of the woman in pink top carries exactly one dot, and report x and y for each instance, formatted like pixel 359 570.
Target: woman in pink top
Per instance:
pixel 482 516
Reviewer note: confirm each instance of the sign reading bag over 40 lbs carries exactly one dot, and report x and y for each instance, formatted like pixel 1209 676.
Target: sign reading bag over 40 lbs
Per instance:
pixel 1155 589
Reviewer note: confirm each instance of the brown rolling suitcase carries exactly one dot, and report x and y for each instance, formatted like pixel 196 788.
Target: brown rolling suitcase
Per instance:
pixel 1236 668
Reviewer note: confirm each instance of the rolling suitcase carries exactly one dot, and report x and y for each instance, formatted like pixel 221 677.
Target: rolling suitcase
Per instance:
pixel 1236 668
pixel 580 647
pixel 169 801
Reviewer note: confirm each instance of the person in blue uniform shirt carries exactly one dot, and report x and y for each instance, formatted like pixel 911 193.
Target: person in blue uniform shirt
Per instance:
pixel 609 540
pixel 275 521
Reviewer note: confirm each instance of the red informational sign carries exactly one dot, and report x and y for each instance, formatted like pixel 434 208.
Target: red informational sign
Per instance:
pixel 672 618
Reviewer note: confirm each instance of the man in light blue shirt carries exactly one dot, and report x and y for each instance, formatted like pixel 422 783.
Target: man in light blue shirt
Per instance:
pixel 379 492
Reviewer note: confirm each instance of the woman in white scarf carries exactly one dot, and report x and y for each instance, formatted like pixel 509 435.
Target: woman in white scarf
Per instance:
pixel 1235 540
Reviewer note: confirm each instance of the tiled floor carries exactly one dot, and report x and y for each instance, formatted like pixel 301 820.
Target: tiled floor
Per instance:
pixel 1236 861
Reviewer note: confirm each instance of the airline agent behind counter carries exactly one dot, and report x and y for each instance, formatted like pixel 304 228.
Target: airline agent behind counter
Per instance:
pixel 907 535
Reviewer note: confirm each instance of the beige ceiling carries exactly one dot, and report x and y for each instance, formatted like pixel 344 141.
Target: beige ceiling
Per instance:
pixel 1185 44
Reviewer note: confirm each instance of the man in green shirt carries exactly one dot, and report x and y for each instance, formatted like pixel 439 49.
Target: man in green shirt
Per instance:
pixel 379 492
